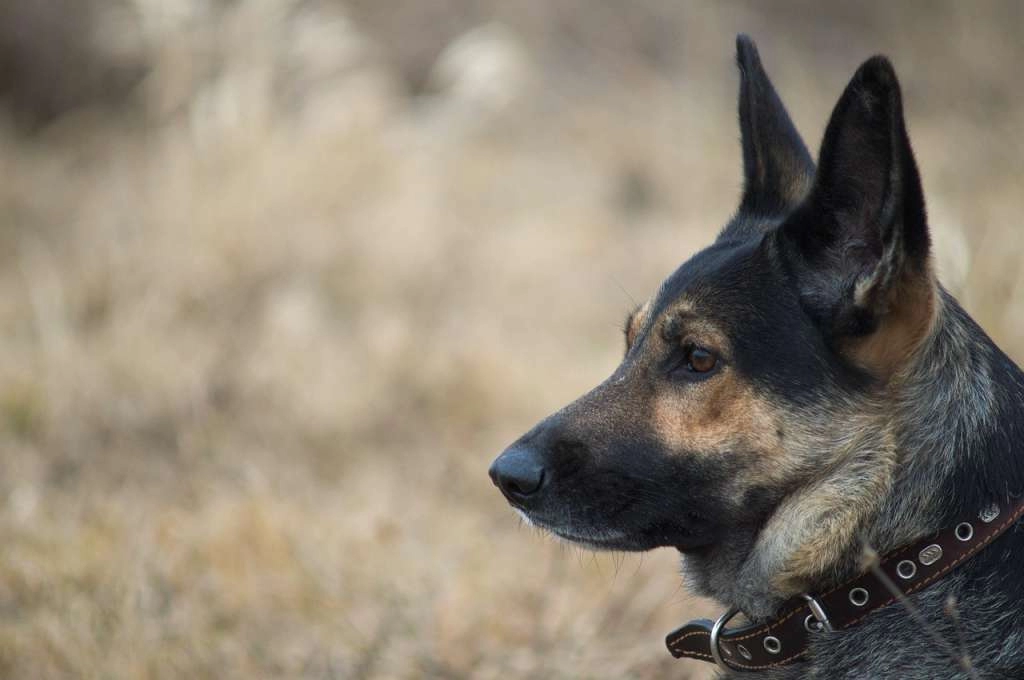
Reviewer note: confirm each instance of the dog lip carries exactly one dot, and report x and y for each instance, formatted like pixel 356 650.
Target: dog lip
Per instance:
pixel 607 540
pixel 613 542
pixel 602 540
pixel 685 539
pixel 694 544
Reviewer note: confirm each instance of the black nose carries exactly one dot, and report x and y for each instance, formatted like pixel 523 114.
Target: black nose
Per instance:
pixel 518 472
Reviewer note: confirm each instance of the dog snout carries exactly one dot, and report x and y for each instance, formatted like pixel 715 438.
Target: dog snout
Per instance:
pixel 519 473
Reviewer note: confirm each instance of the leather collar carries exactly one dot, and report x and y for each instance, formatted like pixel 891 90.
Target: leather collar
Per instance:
pixel 784 639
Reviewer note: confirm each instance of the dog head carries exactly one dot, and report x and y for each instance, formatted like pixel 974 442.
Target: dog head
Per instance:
pixel 750 377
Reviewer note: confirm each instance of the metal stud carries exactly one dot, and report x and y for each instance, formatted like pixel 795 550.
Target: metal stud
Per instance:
pixel 772 644
pixel 931 554
pixel 744 652
pixel 964 532
pixel 989 513
pixel 906 569
pixel 859 597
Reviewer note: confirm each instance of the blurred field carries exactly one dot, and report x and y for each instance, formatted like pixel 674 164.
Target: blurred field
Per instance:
pixel 279 279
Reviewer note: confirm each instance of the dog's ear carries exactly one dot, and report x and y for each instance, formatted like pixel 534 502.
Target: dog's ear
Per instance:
pixel 859 245
pixel 777 169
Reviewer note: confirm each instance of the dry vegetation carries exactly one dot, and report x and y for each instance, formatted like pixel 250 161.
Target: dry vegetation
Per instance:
pixel 274 293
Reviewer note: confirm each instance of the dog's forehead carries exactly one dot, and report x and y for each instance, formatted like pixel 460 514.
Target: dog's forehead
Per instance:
pixel 710 282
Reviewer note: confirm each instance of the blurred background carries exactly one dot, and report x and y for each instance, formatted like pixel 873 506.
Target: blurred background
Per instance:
pixel 279 278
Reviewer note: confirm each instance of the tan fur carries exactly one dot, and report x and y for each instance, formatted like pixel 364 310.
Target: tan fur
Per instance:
pixel 824 523
pixel 912 310
pixel 851 444
pixel 798 186
pixel 817 527
pixel 723 413
pixel 814 528
pixel 719 415
pixel 636 322
pixel 821 524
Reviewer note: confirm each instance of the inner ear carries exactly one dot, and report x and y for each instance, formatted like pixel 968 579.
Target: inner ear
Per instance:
pixel 777 168
pixel 859 245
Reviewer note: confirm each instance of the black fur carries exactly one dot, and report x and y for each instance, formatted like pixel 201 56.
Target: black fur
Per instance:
pixel 866 214
pixel 776 162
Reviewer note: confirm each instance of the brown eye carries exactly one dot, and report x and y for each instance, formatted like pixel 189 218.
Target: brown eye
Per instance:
pixel 700 360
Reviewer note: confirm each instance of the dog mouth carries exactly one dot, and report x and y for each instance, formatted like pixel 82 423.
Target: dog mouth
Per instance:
pixel 596 540
pixel 593 539
pixel 680 537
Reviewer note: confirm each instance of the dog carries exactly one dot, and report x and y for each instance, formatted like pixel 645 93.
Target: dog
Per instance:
pixel 798 397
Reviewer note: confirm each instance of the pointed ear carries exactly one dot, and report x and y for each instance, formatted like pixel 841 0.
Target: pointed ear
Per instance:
pixel 859 245
pixel 777 169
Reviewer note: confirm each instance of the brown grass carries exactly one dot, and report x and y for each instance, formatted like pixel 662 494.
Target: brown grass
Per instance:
pixel 266 323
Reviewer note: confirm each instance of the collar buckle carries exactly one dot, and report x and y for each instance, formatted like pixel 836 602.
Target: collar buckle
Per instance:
pixel 815 622
pixel 716 631
pixel 818 619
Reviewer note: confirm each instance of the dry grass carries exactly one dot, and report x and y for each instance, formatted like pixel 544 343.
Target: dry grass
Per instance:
pixel 266 324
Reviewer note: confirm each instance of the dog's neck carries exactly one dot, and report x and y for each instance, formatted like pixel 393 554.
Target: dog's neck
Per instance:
pixel 959 429
pixel 943 441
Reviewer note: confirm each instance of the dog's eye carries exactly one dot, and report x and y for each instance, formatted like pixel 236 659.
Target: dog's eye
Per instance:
pixel 696 363
pixel 700 360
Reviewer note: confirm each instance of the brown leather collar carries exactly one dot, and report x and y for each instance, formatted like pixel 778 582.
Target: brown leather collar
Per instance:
pixel 783 640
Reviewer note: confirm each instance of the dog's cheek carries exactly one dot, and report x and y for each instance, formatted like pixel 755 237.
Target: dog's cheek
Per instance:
pixel 721 418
